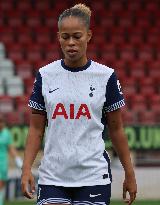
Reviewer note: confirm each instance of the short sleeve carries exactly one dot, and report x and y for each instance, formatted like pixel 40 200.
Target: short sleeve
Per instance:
pixel 37 100
pixel 114 95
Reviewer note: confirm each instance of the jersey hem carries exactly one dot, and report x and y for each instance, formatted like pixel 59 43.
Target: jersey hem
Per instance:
pixel 105 182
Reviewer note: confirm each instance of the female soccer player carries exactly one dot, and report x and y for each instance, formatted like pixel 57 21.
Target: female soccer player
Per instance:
pixel 78 97
pixel 5 147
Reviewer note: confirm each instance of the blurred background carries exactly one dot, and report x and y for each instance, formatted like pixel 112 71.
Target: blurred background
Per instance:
pixel 126 37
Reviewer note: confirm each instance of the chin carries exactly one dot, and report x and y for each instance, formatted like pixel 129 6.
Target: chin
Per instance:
pixel 72 58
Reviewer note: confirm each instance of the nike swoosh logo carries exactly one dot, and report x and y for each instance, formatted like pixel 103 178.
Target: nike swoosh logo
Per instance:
pixel 51 91
pixel 94 195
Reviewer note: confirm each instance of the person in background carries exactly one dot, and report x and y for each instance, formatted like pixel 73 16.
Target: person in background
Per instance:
pixel 6 147
pixel 78 97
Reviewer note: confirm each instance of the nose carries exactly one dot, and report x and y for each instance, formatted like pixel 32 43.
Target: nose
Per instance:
pixel 71 41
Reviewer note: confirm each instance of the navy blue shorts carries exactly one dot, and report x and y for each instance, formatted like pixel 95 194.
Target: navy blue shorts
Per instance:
pixel 86 195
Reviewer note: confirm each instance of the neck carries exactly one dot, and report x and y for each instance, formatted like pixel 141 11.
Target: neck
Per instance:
pixel 77 63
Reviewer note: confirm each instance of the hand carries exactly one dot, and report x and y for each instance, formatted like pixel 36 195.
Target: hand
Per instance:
pixel 129 185
pixel 28 185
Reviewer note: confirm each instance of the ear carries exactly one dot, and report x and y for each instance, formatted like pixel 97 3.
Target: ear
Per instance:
pixel 89 35
pixel 58 35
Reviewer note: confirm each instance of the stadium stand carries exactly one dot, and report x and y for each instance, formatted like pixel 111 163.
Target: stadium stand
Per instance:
pixel 126 37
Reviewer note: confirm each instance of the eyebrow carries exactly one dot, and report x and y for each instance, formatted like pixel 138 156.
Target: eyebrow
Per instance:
pixel 79 32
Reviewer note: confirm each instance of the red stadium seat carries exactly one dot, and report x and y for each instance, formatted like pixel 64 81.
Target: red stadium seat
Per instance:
pixel 15 55
pixel 42 6
pixel 6 6
pixel 24 5
pixel 146 118
pixel 134 5
pixel 146 86
pixel 15 18
pixel 25 38
pixel 52 55
pixel 22 103
pixel 137 69
pixel 129 86
pixel 139 103
pixel 151 6
pixel 116 6
pixel 6 104
pixel 154 70
pixel 14 118
pixel 7 38
pixel 127 53
pixel 24 69
pixel 154 102
pixel 34 22
pixel 33 56
pixel 145 52
pixel 129 117
pixel 29 85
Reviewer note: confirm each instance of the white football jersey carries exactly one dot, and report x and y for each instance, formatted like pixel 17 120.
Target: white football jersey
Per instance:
pixel 75 100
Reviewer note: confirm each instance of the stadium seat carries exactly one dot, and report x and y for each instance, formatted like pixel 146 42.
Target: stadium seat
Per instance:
pixel 7 38
pixel 146 118
pixel 14 118
pixel 6 6
pixel 137 69
pixel 33 55
pixel 127 53
pixel 146 86
pixel 15 55
pixel 42 6
pixel 151 6
pixel 24 6
pixel 15 20
pixel 154 102
pixel 25 38
pixel 24 69
pixel 129 117
pixel 22 103
pixel 2 50
pixel 33 22
pixel 28 85
pixel 6 104
pixel 129 86
pixel 139 103
pixel 6 68
pixel 2 88
pixel 14 86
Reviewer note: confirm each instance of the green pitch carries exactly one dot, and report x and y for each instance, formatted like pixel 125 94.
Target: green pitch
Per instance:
pixel 112 203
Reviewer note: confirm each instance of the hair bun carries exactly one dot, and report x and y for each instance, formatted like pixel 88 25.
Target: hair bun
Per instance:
pixel 83 8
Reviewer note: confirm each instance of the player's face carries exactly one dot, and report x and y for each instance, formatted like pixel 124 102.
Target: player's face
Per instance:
pixel 73 37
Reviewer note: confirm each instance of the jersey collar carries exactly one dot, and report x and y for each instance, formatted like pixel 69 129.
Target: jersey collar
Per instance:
pixel 77 69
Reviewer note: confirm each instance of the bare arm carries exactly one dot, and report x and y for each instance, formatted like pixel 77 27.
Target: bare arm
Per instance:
pixel 120 144
pixel 33 143
pixel 13 151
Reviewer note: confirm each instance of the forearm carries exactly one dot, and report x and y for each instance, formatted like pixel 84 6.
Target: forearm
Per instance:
pixel 120 144
pixel 32 147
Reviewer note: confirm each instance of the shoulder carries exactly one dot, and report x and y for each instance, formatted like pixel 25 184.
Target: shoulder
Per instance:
pixel 102 68
pixel 51 67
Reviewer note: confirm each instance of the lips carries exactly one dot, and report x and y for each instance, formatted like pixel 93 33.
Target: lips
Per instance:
pixel 72 51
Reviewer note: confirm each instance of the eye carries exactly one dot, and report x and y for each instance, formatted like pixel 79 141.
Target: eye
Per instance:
pixel 77 36
pixel 65 36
